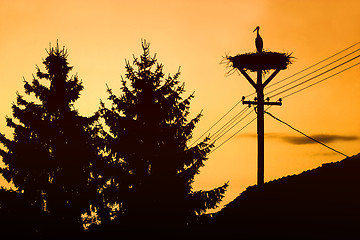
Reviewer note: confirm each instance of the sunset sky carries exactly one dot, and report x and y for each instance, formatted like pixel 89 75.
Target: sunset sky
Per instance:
pixel 196 35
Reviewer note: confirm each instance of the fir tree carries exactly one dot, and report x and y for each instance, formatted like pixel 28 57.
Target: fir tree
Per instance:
pixel 54 150
pixel 152 168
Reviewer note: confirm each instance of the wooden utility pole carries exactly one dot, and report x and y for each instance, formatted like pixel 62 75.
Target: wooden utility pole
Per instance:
pixel 260 102
pixel 260 62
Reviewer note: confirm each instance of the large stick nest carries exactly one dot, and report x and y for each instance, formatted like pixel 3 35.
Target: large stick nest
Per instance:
pixel 260 61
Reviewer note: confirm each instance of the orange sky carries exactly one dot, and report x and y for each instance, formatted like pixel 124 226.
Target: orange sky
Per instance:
pixel 196 34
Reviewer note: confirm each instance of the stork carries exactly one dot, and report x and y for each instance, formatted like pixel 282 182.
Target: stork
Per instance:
pixel 258 41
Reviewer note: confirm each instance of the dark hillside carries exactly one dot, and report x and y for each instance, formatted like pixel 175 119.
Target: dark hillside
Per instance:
pixel 323 203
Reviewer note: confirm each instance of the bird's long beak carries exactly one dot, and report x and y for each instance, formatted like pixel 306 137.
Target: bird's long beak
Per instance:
pixel 255 30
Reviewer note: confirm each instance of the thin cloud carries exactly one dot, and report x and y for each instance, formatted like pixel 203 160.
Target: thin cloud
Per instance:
pixel 324 138
pixel 301 140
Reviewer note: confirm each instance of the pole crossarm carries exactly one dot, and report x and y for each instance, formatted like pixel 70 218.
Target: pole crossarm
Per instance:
pixel 279 103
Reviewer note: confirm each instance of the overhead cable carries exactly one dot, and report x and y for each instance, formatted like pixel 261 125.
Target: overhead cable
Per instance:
pixel 320 81
pixel 275 83
pixel 287 84
pixel 233 135
pixel 228 123
pixel 216 123
pixel 301 83
pixel 313 139
pixel 231 128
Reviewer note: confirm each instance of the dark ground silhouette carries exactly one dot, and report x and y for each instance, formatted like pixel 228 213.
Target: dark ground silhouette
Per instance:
pixel 323 203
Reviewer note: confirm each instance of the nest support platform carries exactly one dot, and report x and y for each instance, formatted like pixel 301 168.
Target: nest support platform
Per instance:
pixel 260 61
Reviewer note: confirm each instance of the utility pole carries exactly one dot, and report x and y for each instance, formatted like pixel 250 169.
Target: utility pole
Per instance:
pixel 260 62
pixel 260 102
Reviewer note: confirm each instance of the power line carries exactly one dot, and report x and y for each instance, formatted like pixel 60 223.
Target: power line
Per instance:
pixel 216 123
pixel 320 80
pixel 313 65
pixel 231 127
pixel 314 77
pixel 305 134
pixel 228 123
pixel 238 130
pixel 287 84
pixel 233 135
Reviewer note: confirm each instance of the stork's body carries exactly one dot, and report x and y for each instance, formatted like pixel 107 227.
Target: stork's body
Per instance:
pixel 258 41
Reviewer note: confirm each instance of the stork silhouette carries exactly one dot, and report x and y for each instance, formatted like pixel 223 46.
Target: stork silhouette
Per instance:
pixel 258 41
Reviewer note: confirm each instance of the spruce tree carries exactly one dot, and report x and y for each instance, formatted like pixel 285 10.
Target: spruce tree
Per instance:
pixel 153 167
pixel 54 150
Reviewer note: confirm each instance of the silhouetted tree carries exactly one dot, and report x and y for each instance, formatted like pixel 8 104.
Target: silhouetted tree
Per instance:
pixel 152 168
pixel 18 218
pixel 54 150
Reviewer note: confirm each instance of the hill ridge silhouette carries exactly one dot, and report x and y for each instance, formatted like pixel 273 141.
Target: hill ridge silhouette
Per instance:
pixel 321 203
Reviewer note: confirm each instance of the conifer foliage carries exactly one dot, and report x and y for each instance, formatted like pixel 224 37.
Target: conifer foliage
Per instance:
pixel 51 157
pixel 152 168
